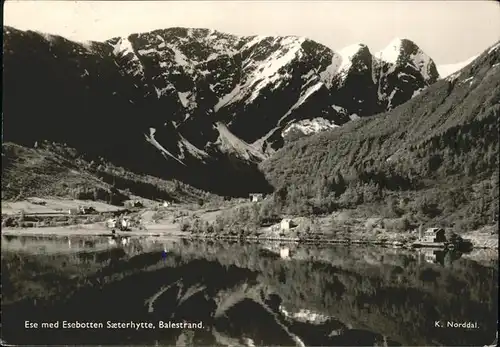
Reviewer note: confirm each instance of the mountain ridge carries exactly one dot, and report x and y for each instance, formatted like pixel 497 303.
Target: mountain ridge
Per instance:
pixel 432 159
pixel 182 82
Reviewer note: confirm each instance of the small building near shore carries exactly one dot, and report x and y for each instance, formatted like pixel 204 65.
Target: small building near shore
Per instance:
pixel 134 203
pixel 166 204
pixel 286 224
pixel 125 223
pixel 256 197
pixel 87 210
pixel 432 235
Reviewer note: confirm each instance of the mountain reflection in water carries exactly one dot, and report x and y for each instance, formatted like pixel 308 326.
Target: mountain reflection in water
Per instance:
pixel 245 293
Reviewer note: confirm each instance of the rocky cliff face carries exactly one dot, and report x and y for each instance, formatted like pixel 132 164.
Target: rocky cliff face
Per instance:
pixel 173 101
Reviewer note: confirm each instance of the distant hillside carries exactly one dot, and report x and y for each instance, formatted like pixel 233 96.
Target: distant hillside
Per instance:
pixel 434 158
pixel 58 171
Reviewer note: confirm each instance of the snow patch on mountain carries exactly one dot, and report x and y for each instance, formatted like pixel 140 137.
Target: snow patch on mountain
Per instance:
pixel 417 59
pixel 423 63
pixel 87 45
pixel 256 39
pixel 310 126
pixel 229 98
pixel 348 54
pixel 446 70
pixel 264 73
pixel 417 92
pixel 340 64
pixel 305 315
pixel 303 97
pixel 261 145
pixel 330 72
pixel 123 48
pixel 47 37
pixel 152 140
pixel 227 142
pixel 187 99
pixel 267 73
pixel 163 91
pixel 184 145
pixel 179 57
pixel 339 109
pixel 147 51
pixel 391 96
pixel 469 79
pixel 390 54
pixel 493 48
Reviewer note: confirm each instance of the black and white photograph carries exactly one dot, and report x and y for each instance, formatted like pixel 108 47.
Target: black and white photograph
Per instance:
pixel 250 173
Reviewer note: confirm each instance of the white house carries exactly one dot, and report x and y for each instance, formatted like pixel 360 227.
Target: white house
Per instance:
pixel 166 204
pixel 432 235
pixel 256 197
pixel 125 223
pixel 134 203
pixel 286 224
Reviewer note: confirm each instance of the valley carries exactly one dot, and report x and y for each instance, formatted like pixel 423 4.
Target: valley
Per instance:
pixel 238 173
pixel 403 165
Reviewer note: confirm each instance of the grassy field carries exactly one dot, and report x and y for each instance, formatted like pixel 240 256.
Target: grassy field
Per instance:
pixel 228 221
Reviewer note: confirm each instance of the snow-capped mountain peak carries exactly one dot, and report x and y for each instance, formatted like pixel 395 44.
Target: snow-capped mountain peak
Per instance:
pixel 404 51
pixel 122 47
pixel 348 53
pixel 341 63
pixel 392 51
pixel 255 88
pixel 263 72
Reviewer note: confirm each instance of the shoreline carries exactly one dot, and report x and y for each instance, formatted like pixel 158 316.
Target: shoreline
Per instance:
pixel 178 234
pixel 341 227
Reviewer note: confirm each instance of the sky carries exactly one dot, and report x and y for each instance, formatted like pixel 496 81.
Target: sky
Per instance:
pixel 448 31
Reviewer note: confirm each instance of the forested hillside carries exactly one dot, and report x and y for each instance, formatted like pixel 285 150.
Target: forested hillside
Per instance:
pixel 55 170
pixel 434 158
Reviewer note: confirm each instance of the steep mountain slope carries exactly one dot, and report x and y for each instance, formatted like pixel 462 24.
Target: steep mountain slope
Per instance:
pixel 439 151
pixel 404 62
pixel 176 102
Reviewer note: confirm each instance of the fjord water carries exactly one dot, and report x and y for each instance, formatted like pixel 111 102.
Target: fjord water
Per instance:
pixel 244 293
